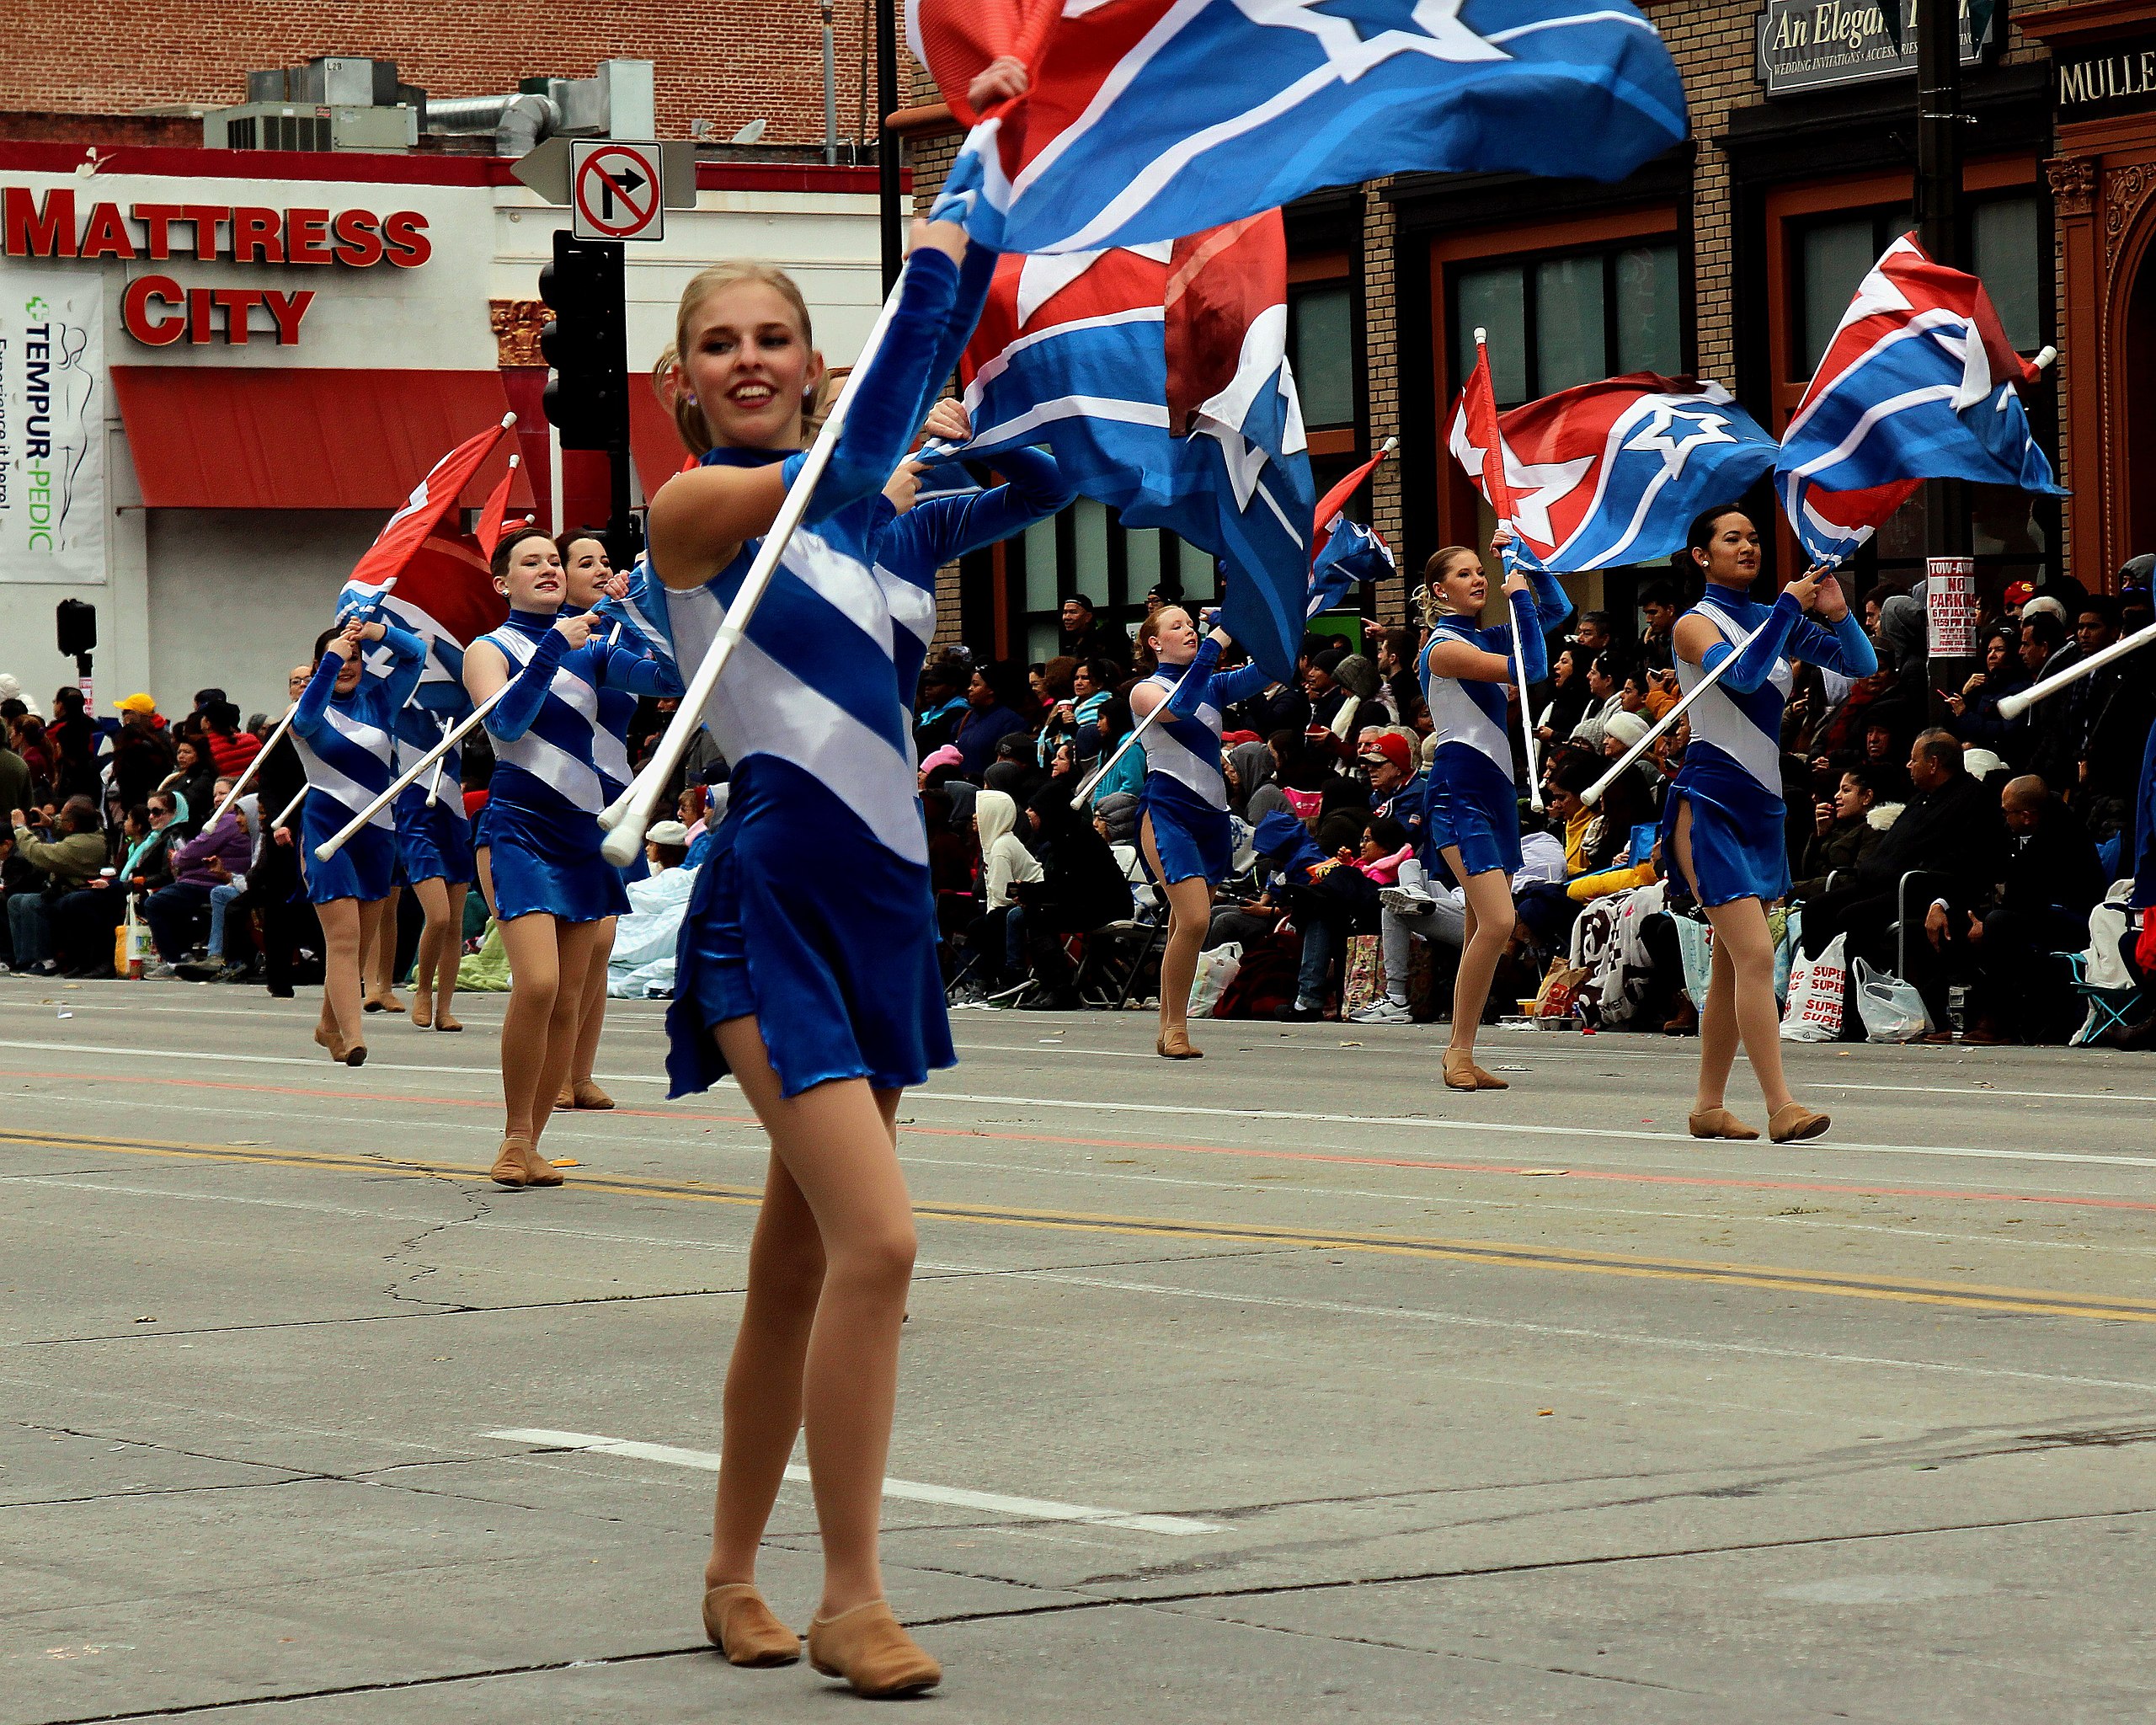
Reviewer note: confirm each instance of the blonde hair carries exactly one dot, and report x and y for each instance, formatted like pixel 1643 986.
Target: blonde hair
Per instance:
pixel 1430 596
pixel 666 379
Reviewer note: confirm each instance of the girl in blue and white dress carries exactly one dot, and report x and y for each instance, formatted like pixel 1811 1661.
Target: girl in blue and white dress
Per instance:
pixel 1471 809
pixel 434 844
pixel 343 729
pixel 1182 806
pixel 1724 818
pixel 553 891
pixel 591 577
pixel 817 988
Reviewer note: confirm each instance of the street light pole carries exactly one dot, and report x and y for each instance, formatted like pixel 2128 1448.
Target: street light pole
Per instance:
pixel 888 143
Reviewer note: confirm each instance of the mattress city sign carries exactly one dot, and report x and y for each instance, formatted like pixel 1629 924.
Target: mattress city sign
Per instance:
pixel 156 310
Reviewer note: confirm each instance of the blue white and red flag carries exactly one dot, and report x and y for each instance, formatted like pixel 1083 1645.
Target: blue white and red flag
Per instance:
pixel 1918 382
pixel 1609 473
pixel 1346 553
pixel 1159 377
pixel 1147 119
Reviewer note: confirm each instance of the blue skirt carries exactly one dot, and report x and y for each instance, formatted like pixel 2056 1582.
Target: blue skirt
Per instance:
pixel 800 920
pixel 366 869
pixel 1194 838
pixel 1471 804
pixel 1738 847
pixel 546 864
pixel 434 844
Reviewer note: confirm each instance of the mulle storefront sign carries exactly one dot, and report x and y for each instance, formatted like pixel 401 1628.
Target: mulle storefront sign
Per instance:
pixel 1807 44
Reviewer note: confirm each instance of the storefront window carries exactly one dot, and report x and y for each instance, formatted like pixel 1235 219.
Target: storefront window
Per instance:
pixel 1556 322
pixel 2002 250
pixel 1086 549
pixel 1322 353
pixel 1836 255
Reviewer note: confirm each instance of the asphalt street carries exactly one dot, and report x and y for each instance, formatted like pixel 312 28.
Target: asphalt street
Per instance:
pixel 1282 1386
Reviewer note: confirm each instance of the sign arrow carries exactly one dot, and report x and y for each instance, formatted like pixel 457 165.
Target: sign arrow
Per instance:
pixel 627 182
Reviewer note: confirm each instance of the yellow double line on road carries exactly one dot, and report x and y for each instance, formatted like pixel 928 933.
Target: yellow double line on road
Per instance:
pixel 2035 1302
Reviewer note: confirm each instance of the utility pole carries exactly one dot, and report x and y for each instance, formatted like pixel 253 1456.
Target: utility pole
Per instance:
pixel 888 143
pixel 830 93
pixel 1949 581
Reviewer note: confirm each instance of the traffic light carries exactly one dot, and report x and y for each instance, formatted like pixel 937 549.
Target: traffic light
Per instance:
pixel 586 342
pixel 78 628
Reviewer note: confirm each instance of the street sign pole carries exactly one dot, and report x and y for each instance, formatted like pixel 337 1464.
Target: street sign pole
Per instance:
pixel 1939 227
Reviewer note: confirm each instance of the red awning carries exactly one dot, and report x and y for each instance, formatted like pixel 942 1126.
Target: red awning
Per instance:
pixel 298 437
pixel 654 444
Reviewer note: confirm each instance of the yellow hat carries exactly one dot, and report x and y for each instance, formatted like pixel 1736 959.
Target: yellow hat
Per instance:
pixel 137 703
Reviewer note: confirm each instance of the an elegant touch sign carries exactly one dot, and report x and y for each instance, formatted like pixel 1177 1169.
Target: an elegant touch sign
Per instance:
pixel 1805 44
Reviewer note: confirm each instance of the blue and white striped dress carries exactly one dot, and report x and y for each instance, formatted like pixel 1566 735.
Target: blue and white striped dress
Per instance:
pixel 1732 772
pixel 1472 802
pixel 1185 793
pixel 812 912
pixel 346 745
pixel 432 844
pixel 542 818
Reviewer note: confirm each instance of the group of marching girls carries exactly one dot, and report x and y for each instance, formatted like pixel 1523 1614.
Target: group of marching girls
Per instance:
pixel 1722 827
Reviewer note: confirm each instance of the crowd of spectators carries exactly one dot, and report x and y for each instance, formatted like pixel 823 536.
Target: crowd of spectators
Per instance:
pixel 1944 843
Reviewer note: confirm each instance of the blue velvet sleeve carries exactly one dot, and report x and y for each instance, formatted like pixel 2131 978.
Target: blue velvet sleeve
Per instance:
pixel 511 716
pixel 1756 663
pixel 888 398
pixel 410 653
pixel 915 545
pixel 1529 618
pixel 1195 683
pixel 1245 680
pixel 1844 648
pixel 619 668
pixel 1551 607
pixel 314 699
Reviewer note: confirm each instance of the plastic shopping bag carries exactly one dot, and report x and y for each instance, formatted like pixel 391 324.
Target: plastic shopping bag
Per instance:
pixel 1216 969
pixel 1814 995
pixel 1891 1010
pixel 1363 979
pixel 1696 945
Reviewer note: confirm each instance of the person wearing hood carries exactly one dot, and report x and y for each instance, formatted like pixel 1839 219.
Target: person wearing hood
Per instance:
pixel 1081 888
pixel 1006 864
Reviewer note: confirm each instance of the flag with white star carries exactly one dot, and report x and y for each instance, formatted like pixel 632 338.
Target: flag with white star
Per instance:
pixel 1149 119
pixel 1612 473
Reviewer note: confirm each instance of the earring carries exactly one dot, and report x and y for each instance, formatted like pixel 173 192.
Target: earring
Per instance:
pixel 689 397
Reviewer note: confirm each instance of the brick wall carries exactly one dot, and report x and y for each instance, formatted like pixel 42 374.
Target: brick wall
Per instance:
pixel 729 62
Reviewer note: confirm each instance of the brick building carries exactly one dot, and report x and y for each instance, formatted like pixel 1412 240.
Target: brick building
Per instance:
pixel 1732 258
pixel 722 62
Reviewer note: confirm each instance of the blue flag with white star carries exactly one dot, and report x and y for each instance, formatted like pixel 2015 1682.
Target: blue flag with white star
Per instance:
pixel 1149 119
pixel 1612 472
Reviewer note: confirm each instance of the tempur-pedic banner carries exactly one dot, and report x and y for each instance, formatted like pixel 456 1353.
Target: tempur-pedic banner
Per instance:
pixel 52 385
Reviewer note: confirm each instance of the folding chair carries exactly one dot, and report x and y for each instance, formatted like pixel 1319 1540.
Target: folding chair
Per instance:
pixel 1117 957
pixel 2108 1006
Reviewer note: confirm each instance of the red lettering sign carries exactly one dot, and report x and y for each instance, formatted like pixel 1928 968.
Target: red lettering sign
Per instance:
pixel 306 236
pixel 32 231
pixel 153 328
pixel 105 235
pixel 358 243
pixel 258 236
pixel 405 234
pixel 45 225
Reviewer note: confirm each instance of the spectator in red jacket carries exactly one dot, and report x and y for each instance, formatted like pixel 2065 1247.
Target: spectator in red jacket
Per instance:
pixel 230 747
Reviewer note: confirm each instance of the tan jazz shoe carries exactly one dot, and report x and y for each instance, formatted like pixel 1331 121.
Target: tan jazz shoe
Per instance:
pixel 588 1095
pixel 330 1040
pixel 537 1170
pixel 1175 1045
pixel 746 1628
pixel 1461 1072
pixel 509 1164
pixel 1792 1121
pixel 423 1010
pixel 1485 1080
pixel 866 1646
pixel 1717 1123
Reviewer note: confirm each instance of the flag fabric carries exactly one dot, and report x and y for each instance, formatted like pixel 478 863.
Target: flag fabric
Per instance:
pixel 1148 120
pixel 445 595
pixel 493 515
pixel 1918 382
pixel 1608 474
pixel 1159 377
pixel 409 528
pixel 1344 552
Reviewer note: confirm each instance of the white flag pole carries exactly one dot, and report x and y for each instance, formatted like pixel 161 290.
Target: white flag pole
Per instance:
pixel 1520 651
pixel 330 847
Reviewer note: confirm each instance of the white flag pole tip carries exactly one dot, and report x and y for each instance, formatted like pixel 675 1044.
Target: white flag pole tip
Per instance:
pixel 2043 360
pixel 1482 336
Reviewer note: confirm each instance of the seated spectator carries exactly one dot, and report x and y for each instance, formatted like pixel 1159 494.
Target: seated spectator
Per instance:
pixel 1952 838
pixel 1085 637
pixel 209 859
pixel 1329 899
pixel 71 856
pixel 1603 700
pixel 1399 693
pixel 1081 888
pixel 1975 707
pixel 141 750
pixel 82 921
pixel 2052 880
pixel 1128 776
pixel 1006 862
pixel 1846 829
pixel 1013 772
pixel 992 702
pixel 231 748
pixel 190 781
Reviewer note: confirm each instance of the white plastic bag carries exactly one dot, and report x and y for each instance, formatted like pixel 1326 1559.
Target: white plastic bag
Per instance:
pixel 1814 995
pixel 1216 969
pixel 1891 1010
